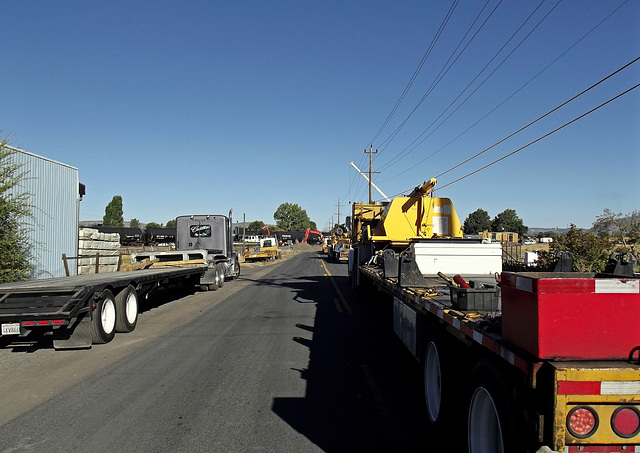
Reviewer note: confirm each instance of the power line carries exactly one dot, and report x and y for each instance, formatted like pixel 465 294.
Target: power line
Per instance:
pixel 408 149
pixel 540 138
pixel 418 69
pixel 511 95
pixel 442 73
pixel 540 118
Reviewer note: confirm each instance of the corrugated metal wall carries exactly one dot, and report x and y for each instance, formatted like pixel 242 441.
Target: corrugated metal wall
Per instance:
pixel 54 187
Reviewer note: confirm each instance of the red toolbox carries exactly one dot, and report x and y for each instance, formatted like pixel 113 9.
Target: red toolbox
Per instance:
pixel 570 316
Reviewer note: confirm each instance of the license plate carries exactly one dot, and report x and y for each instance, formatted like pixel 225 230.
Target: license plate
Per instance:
pixel 11 329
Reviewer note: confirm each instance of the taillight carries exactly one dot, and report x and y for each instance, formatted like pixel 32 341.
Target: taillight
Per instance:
pixel 625 421
pixel 582 422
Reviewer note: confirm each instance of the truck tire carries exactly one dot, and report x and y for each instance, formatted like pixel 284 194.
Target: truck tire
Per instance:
pixel 236 270
pixel 126 310
pixel 221 272
pixel 491 424
pixel 103 319
pixel 439 378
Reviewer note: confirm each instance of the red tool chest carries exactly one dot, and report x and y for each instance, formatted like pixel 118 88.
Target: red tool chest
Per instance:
pixel 569 316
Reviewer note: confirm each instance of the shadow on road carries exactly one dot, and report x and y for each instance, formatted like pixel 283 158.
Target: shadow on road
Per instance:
pixel 363 389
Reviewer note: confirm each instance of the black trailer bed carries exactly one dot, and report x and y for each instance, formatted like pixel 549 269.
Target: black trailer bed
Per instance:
pixel 65 297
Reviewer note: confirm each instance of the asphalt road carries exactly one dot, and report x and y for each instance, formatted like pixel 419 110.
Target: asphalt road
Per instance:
pixel 280 360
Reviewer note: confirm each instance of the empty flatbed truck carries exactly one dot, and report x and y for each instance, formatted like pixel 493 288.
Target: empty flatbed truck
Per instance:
pixel 88 309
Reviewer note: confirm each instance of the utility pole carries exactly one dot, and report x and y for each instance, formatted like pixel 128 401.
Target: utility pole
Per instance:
pixel 338 212
pixel 371 152
pixel 364 175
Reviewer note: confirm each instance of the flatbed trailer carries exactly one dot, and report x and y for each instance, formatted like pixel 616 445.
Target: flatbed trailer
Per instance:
pixel 88 309
pixel 512 399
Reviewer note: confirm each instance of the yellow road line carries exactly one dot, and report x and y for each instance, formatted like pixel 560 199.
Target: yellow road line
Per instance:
pixel 342 299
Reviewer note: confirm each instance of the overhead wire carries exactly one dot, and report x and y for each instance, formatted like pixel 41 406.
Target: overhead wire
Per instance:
pixel 540 117
pixel 409 148
pixel 418 69
pixel 617 71
pixel 446 68
pixel 538 139
pixel 511 95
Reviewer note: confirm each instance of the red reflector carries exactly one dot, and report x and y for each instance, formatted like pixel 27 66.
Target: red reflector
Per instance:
pixel 28 323
pixel 57 321
pixel 582 422
pixel 44 322
pixel 578 388
pixel 625 421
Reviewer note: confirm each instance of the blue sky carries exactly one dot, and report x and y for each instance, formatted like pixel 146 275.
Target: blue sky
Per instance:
pixel 202 106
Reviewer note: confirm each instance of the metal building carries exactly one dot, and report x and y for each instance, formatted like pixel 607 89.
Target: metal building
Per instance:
pixel 55 194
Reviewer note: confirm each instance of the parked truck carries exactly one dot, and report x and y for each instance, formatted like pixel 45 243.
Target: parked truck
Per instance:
pixel 82 310
pixel 267 249
pixel 520 362
pixel 208 237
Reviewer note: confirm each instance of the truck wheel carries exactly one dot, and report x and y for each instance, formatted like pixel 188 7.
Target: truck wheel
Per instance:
pixel 126 309
pixel 491 426
pixel 213 286
pixel 220 275
pixel 438 378
pixel 103 319
pixel 236 270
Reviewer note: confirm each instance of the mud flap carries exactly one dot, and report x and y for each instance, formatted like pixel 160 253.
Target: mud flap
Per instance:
pixel 76 336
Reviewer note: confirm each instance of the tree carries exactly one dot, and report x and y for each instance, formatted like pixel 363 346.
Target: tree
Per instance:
pixel 625 229
pixel 255 225
pixel 16 217
pixel 477 222
pixel 154 225
pixel 113 213
pixel 135 223
pixel 171 223
pixel 547 234
pixel 508 220
pixel 291 217
pixel 590 253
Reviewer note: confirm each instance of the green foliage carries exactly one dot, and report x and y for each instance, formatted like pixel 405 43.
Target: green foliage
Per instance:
pixel 113 213
pixel 590 253
pixel 508 220
pixel 291 217
pixel 621 229
pixel 171 223
pixel 477 222
pixel 154 225
pixel 16 217
pixel 255 225
pixel 134 223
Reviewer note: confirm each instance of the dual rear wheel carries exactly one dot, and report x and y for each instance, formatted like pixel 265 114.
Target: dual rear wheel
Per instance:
pixel 114 314
pixel 490 411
